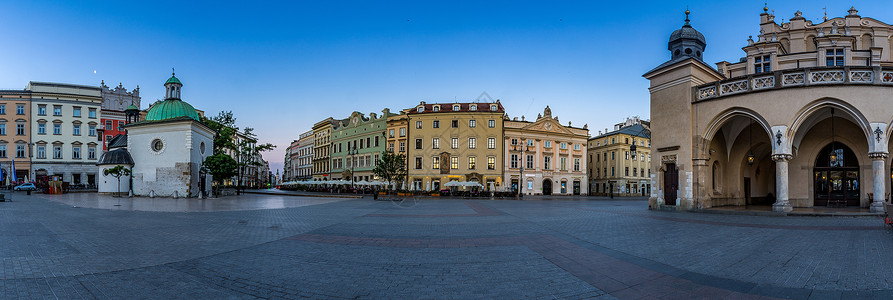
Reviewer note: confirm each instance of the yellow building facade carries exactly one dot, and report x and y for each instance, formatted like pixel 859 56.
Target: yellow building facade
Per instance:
pixel 616 170
pixel 455 142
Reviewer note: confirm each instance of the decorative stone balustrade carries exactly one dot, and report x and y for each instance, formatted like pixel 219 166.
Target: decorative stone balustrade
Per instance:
pixel 789 78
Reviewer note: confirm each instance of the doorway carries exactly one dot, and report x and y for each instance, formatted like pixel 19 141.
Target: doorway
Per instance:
pixel 747 191
pixel 671 184
pixel 836 176
pixel 547 187
pixel 576 187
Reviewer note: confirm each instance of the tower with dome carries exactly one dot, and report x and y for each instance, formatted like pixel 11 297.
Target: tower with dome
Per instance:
pixel 165 150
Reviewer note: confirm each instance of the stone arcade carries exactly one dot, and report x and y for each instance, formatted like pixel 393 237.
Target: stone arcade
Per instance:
pixel 165 150
pixel 801 121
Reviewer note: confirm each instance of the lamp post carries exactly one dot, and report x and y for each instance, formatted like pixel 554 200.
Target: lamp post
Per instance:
pixel 351 152
pixel 522 148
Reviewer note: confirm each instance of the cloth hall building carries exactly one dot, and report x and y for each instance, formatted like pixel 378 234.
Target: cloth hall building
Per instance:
pixel 801 120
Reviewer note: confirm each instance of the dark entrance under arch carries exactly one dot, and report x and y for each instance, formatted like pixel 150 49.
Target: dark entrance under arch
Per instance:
pixel 836 176
pixel 547 186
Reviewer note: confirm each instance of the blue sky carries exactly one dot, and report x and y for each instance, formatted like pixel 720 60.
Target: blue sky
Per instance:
pixel 282 66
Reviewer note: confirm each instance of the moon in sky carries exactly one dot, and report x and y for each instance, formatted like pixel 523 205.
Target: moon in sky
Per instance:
pixel 94 71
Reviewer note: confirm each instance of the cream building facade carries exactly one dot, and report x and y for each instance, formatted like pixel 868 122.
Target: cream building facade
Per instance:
pixel 616 170
pixel 305 156
pixel 544 157
pixel 322 149
pixel 801 121
pixel 455 142
pixel 65 117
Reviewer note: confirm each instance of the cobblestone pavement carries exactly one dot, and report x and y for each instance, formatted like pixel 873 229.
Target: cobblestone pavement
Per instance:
pixel 435 248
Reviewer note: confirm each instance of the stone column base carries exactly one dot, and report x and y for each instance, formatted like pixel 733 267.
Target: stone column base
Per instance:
pixel 877 207
pixel 782 207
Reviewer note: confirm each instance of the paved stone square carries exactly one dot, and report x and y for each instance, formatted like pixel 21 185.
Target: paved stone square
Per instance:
pixel 281 246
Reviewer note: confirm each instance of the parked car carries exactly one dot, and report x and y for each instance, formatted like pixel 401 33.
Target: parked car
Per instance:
pixel 25 187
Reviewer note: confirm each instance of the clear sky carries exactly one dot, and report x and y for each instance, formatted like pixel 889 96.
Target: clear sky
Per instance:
pixel 282 66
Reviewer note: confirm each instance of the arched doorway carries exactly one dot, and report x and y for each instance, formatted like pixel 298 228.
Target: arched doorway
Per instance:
pixel 836 176
pixel 547 186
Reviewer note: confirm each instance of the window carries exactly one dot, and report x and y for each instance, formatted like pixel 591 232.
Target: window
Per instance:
pixel 529 161
pixel 514 142
pixel 454 143
pixel 435 143
pixel 563 146
pixel 20 129
pixel 612 155
pixel 471 162
pixel 93 113
pixel 77 129
pixel 418 163
pixel 3 151
pixel 627 155
pixel 547 162
pixel 391 147
pixel 369 144
pixel 491 143
pixel 612 171
pixel 454 124
pixel 3 129
pixel 76 152
pixel 514 161
pixel 491 163
pixel 529 143
pixel 492 107
pixel 472 143
pixel 577 147
pixel 834 57
pixel 57 152
pixel 91 152
pixel 108 124
pixel 612 140
pixel 41 109
pixel 473 107
pixel 57 129
pixel 2 109
pixel 418 124
pixel 20 109
pixel 435 162
pixel 626 171
pixel 391 133
pixel 548 144
pixel 41 151
pixel 41 128
pixel 402 131
pixel 491 123
pixel 456 107
pixel 402 146
pixel 420 109
pixel 436 124
pixel 472 123
pixel 418 144
pixel 762 63
pixel 576 164
pixel 563 163
pixel 454 162
pixel 436 108
pixel 57 110
pixel 76 111
pixel 376 141
pixel 635 172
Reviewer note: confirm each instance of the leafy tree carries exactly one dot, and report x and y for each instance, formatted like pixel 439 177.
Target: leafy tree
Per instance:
pixel 247 150
pixel 225 126
pixel 391 167
pixel 118 172
pixel 221 167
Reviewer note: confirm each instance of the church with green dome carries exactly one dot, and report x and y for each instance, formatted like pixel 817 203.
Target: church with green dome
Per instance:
pixel 165 151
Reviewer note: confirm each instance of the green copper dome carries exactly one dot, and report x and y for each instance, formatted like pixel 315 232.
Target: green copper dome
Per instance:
pixel 173 79
pixel 170 109
pixel 132 107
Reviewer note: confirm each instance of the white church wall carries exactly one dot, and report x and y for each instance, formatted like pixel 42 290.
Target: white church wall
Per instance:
pixel 165 171
pixel 109 184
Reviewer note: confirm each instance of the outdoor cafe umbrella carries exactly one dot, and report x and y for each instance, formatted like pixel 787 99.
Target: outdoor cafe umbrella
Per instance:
pixel 428 188
pixel 453 183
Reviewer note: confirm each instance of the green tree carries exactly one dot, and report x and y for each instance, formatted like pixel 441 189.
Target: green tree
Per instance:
pixel 225 126
pixel 118 172
pixel 248 151
pixel 221 167
pixel 391 167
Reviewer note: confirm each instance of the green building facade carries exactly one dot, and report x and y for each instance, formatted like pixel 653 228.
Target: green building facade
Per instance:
pixel 357 144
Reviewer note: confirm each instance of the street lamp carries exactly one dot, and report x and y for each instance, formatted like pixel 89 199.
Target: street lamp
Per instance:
pixel 350 156
pixel 522 148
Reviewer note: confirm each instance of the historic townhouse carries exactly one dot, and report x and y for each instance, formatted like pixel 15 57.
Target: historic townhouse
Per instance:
pixel 112 115
pixel 322 149
pixel 545 157
pixel 15 135
pixel 305 156
pixel 614 169
pixel 398 134
pixel 64 134
pixel 357 144
pixel 455 142
pixel 291 161
pixel 801 120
